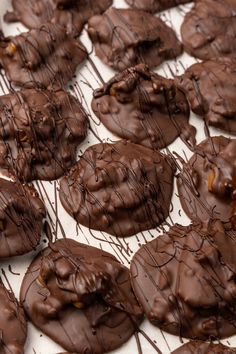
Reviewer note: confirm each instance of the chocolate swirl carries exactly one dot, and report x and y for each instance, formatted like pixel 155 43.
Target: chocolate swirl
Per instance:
pixel 126 37
pixel 155 5
pixel 198 347
pixel 119 188
pixel 39 133
pixel 81 297
pixel 144 108
pixel 185 281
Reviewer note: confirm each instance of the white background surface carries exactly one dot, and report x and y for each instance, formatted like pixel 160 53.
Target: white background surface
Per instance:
pixel 123 249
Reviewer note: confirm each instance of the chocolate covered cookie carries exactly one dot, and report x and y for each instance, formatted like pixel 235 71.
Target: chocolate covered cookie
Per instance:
pixel 197 347
pixel 210 87
pixel 12 323
pixel 70 14
pixel 206 185
pixel 144 108
pixel 21 218
pixel 126 37
pixel 39 133
pixel 155 5
pixel 208 30
pixel 81 297
pixel 185 281
pixel 120 188
pixel 42 57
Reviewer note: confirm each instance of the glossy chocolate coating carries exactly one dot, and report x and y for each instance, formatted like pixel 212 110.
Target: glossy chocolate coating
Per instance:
pixel 39 133
pixel 208 30
pixel 155 5
pixel 126 37
pixel 81 297
pixel 12 324
pixel 143 107
pixel 197 347
pixel 120 188
pixel 205 185
pixel 185 281
pixel 70 14
pixel 42 57
pixel 210 87
pixel 21 218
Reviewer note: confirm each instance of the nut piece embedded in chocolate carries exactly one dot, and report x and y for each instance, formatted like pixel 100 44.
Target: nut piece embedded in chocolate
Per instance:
pixel 12 323
pixel 39 133
pixel 120 188
pixel 208 30
pixel 21 218
pixel 126 37
pixel 207 183
pixel 185 281
pixel 155 5
pixel 81 297
pixel 198 347
pixel 71 14
pixel 42 57
pixel 143 107
pixel 210 87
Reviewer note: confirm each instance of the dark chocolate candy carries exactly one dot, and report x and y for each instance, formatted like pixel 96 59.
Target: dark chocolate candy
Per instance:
pixel 120 188
pixel 155 5
pixel 71 14
pixel 39 133
pixel 198 347
pixel 207 182
pixel 208 30
pixel 144 107
pixel 185 281
pixel 12 324
pixel 21 218
pixel 126 37
pixel 43 57
pixel 210 87
pixel 81 297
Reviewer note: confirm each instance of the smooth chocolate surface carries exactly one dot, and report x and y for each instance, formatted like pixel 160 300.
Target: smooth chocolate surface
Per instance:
pixel 12 324
pixel 81 297
pixel 143 107
pixel 155 5
pixel 120 188
pixel 39 133
pixel 43 57
pixel 126 37
pixel 70 14
pixel 210 87
pixel 208 30
pixel 207 182
pixel 185 281
pixel 197 347
pixel 21 218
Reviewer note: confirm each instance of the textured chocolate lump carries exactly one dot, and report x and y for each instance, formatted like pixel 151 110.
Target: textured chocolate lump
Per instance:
pixel 208 30
pixel 43 57
pixel 185 281
pixel 81 297
pixel 70 14
pixel 198 347
pixel 210 87
pixel 155 5
pixel 39 133
pixel 143 107
pixel 12 324
pixel 207 183
pixel 126 37
pixel 120 188
pixel 21 218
